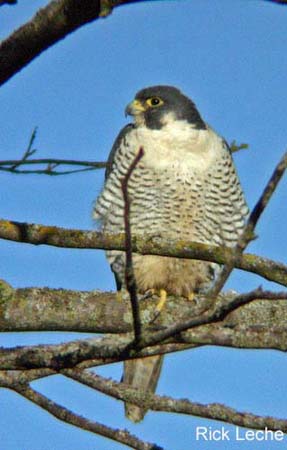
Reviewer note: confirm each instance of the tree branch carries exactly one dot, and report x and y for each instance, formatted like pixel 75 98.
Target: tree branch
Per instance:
pixel 37 234
pixel 44 309
pixel 12 378
pixel 51 164
pixel 50 24
pixel 17 380
pixel 256 325
pixel 94 352
pixel 217 312
pixel 280 2
pixel 8 2
pixel 66 415
pixel 214 411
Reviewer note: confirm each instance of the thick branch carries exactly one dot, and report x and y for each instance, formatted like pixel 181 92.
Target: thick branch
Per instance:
pixel 68 238
pixel 44 309
pixel 51 24
pixel 47 27
pixel 8 2
pixel 12 378
pixel 280 2
pixel 251 326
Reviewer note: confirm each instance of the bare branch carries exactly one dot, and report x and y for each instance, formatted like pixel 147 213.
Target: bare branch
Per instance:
pixel 264 327
pixel 129 271
pixel 144 244
pixel 234 147
pixel 12 378
pixel 29 151
pixel 215 411
pixel 66 415
pixel 266 195
pixel 37 309
pixel 11 166
pixel 218 311
pixel 8 2
pixel 50 24
pixel 94 352
pixel 280 2
pixel 17 380
pixel 51 164
pixel 248 233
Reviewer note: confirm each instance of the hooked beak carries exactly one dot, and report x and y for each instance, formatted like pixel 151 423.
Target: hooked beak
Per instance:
pixel 134 108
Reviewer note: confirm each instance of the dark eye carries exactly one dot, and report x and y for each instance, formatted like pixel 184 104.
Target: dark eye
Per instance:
pixel 154 101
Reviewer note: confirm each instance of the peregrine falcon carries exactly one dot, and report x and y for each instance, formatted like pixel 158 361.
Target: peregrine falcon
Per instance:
pixel 184 187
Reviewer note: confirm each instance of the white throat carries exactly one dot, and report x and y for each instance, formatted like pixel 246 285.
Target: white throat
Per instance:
pixel 177 145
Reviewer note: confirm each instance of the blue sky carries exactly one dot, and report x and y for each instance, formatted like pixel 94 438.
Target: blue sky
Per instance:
pixel 229 56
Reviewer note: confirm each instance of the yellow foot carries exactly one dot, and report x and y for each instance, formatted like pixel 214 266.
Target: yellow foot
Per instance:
pixel 162 300
pixel 191 296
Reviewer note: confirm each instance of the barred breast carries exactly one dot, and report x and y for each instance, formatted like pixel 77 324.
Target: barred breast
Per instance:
pixel 185 187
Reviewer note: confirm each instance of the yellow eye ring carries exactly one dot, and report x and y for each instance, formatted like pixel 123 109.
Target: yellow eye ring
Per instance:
pixel 154 102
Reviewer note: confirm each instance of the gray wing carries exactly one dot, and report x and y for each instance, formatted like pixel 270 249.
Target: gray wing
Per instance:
pixel 226 208
pixel 108 206
pixel 111 194
pixel 117 144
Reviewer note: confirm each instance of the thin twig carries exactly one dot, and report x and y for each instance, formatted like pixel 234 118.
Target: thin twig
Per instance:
pixel 28 152
pixel 13 165
pixel 66 415
pixel 234 147
pixel 47 171
pixel 129 271
pixel 98 165
pixel 248 233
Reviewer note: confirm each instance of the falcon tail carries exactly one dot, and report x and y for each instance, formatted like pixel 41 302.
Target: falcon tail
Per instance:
pixel 141 373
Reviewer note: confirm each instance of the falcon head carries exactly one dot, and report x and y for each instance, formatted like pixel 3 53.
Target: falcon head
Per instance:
pixel 154 106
